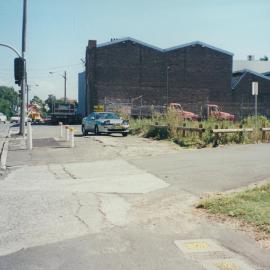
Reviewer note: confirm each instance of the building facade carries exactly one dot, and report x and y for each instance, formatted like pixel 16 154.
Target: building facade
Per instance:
pixel 190 74
pixel 81 94
pixel 242 93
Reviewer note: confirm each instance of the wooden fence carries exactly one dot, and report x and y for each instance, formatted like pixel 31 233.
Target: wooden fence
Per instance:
pixel 218 132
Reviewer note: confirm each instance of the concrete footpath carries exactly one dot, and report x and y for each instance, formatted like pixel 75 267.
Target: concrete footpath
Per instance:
pixel 123 203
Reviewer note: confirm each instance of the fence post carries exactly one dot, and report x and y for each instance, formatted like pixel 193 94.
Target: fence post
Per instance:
pixel 241 134
pixel 61 129
pixel 184 131
pixel 216 137
pixel 29 136
pixel 263 133
pixel 200 131
pixel 72 139
pixel 67 133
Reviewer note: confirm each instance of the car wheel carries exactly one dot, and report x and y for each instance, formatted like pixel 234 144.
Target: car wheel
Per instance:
pixel 124 134
pixel 96 130
pixel 84 132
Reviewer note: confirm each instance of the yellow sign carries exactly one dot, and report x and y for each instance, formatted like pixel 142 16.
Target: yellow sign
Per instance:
pixel 99 108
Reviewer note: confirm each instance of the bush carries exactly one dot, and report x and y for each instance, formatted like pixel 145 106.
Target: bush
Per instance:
pixel 167 129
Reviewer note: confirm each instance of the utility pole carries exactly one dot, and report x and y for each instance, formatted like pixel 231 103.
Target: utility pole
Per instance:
pixel 167 88
pixel 23 84
pixel 65 82
pixel 65 90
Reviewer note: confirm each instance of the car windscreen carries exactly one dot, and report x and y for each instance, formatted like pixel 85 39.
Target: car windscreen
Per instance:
pixel 107 116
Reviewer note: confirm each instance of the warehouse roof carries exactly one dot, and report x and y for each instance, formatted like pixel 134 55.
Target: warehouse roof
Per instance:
pixel 240 74
pixel 194 43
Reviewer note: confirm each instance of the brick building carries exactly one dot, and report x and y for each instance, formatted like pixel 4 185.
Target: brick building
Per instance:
pixel 242 98
pixel 190 74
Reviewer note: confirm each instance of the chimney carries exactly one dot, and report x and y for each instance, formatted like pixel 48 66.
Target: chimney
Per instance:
pixel 92 44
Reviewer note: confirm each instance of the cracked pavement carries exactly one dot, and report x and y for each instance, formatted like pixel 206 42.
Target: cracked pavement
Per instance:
pixel 121 203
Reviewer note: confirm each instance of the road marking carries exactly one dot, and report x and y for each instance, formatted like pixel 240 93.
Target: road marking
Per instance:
pixel 198 245
pixel 229 264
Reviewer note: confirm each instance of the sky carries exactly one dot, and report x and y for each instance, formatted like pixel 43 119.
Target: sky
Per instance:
pixel 58 31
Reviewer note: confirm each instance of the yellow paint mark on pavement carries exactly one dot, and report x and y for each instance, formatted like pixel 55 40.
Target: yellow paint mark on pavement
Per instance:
pixel 226 265
pixel 196 245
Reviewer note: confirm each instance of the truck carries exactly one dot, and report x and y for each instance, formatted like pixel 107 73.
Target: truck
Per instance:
pixel 213 110
pixel 186 115
pixel 148 110
pixel 63 112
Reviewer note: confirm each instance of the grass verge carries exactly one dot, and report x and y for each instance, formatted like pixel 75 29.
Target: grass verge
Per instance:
pixel 251 206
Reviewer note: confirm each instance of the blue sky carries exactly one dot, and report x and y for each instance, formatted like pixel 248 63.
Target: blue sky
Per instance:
pixel 58 31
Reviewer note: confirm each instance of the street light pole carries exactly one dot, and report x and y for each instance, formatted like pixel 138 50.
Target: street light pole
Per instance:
pixel 65 93
pixel 65 83
pixel 23 84
pixel 167 88
pixel 28 88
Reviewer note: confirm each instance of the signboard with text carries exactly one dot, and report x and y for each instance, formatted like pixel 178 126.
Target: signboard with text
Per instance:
pixel 99 108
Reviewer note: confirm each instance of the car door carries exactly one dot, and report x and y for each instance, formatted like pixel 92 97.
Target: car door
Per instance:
pixel 89 121
pixel 92 121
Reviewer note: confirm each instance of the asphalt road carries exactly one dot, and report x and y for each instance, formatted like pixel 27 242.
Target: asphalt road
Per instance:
pixel 123 203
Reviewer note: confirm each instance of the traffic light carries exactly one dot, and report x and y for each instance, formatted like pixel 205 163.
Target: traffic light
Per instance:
pixel 19 69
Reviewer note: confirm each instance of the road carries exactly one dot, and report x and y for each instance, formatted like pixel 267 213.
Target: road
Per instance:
pixel 123 203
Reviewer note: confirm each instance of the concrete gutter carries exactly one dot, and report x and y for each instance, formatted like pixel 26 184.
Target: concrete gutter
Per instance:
pixel 4 151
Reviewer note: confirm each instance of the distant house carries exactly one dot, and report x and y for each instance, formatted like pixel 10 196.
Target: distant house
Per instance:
pixel 81 94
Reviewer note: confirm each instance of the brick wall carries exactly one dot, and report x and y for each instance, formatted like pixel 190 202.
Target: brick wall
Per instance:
pixel 125 70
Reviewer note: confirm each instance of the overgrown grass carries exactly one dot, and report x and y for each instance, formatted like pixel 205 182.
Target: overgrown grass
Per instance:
pixel 146 127
pixel 251 206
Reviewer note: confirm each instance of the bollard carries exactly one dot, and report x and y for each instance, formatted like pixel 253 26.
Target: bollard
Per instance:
pixel 72 139
pixel 61 129
pixel 29 136
pixel 67 133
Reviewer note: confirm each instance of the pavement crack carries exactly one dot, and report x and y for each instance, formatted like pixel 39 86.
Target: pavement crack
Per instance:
pixel 53 172
pixel 77 212
pixel 72 176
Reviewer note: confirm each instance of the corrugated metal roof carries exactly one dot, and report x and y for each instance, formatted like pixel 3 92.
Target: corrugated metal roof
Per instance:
pixel 255 65
pixel 194 43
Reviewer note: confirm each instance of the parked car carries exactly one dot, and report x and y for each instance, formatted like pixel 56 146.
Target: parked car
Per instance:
pixel 16 119
pixel 184 114
pixel 3 118
pixel 212 110
pixel 104 122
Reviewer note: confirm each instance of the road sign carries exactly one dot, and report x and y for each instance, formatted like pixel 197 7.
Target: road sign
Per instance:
pixel 255 88
pixel 99 108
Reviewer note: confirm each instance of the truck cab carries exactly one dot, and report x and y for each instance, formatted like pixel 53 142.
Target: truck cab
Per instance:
pixel 184 114
pixel 213 110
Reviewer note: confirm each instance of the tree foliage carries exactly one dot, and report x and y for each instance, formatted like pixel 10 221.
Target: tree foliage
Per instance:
pixel 9 101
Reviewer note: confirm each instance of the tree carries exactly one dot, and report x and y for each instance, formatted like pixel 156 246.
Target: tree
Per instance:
pixel 38 101
pixel 50 101
pixel 9 101
pixel 40 104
